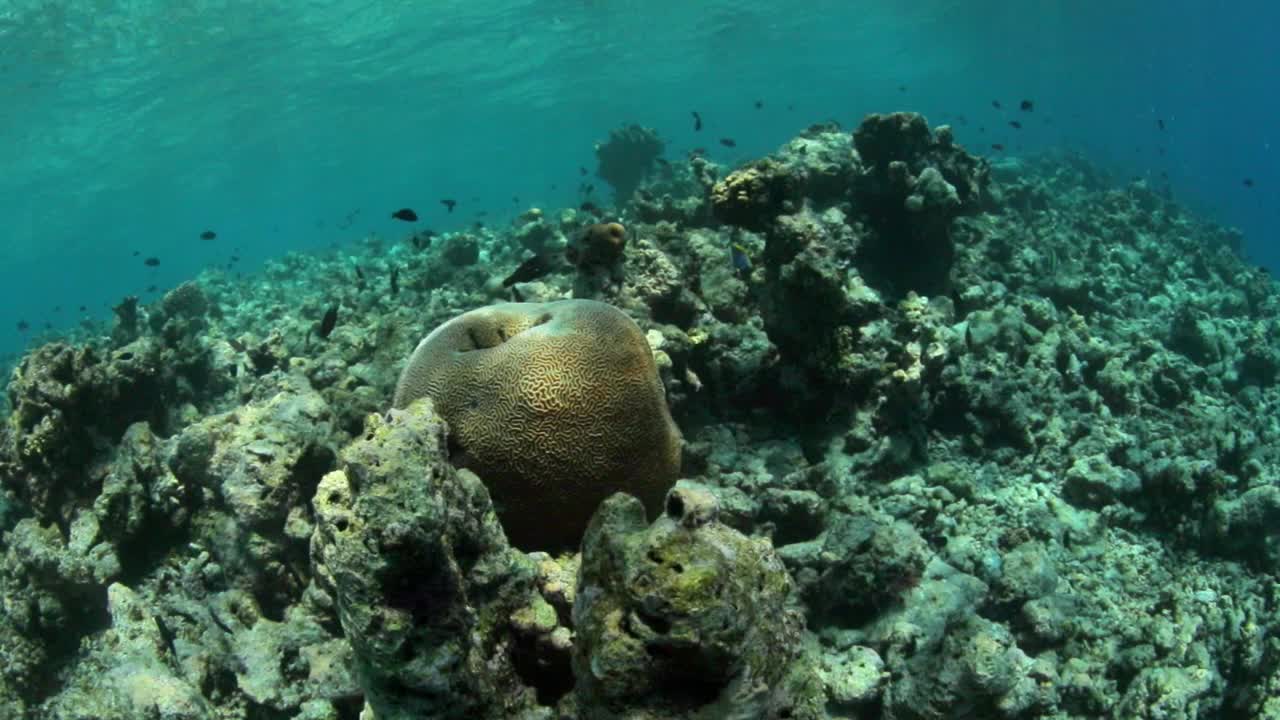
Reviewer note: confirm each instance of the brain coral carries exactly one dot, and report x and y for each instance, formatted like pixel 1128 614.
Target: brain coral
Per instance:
pixel 555 405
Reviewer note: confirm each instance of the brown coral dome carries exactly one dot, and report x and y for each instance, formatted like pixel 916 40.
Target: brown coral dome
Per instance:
pixel 555 406
pixel 600 244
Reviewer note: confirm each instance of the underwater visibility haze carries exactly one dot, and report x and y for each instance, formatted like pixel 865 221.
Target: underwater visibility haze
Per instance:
pixel 558 359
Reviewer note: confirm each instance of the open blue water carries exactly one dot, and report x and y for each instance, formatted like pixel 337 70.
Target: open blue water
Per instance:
pixel 130 126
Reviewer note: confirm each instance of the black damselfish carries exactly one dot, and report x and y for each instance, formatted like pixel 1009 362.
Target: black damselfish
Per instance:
pixel 531 269
pixel 448 203
pixel 405 214
pixel 328 322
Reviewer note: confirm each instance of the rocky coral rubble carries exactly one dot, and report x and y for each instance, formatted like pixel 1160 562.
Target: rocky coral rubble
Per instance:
pixel 1008 429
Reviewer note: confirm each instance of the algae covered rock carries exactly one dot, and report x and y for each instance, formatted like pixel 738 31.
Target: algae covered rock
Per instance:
pixel 754 196
pixel 684 618
pixel 423 579
pixel 65 399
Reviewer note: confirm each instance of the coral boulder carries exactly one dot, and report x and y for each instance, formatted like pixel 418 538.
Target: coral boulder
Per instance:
pixel 555 405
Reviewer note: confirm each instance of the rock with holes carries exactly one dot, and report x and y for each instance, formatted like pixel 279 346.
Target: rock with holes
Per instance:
pixel 442 614
pixel 684 618
pixel 555 405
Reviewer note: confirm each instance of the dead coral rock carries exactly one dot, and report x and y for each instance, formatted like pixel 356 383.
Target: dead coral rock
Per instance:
pixel 67 400
pixel 260 465
pixel 684 618
pixel 823 162
pixel 460 250
pixel 914 185
pixel 655 283
pixel 627 158
pixel 753 196
pixel 427 589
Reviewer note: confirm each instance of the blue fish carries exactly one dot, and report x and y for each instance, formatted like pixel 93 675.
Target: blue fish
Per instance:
pixel 738 255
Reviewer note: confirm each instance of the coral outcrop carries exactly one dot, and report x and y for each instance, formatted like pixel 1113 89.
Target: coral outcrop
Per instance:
pixel 915 182
pixel 423 580
pixel 684 618
pixel 627 158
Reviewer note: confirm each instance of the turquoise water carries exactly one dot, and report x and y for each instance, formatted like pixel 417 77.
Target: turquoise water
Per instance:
pixel 131 127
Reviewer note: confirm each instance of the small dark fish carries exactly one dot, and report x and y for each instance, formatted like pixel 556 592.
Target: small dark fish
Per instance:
pixel 422 240
pixel 515 199
pixel 477 225
pixel 587 189
pixel 1160 123
pixel 1026 106
pixel 997 147
pixel 395 281
pixel 136 253
pixel 698 151
pixel 759 104
pixel 166 636
pixel 327 323
pixel 449 203
pixel 1015 124
pixel 57 308
pixel 697 121
pixel 1248 182
pixel 728 142
pixel 208 235
pixel 151 262
pixel 83 308
pixel 995 104
pixel 235 259
pixel 902 88
pixel 589 207
pixel 152 288
pixel 405 214
pixel 236 345
pixel 582 170
pixel 23 326
pixel 531 269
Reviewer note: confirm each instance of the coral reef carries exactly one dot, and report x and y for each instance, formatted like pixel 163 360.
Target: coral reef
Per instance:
pixel 556 405
pixel 962 439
